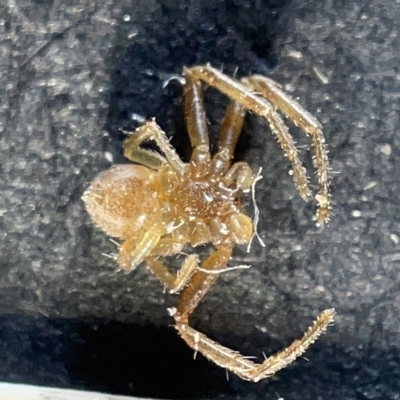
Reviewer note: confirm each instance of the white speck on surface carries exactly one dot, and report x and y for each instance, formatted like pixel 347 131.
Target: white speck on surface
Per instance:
pixel 289 88
pixel 319 289
pixel 126 18
pixel 356 213
pixel 108 156
pixel 386 149
pixel 320 75
pixel 295 54
pixel 394 238
pixel 262 328
pixel 172 311
pixel 138 118
pixel 370 185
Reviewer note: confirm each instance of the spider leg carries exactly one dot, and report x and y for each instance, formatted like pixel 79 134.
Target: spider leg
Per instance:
pixel 134 251
pixel 168 246
pixel 144 157
pixel 196 121
pixel 241 174
pixel 241 365
pixel 228 135
pixel 308 124
pixel 246 96
pixel 197 128
pixel 173 282
pixel 201 281
pixel 197 287
pixel 151 131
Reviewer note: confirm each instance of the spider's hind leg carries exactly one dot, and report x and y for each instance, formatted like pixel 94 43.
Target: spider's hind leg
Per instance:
pixel 241 365
pixel 197 287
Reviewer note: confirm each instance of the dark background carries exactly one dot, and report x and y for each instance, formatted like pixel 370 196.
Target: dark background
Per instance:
pixel 73 72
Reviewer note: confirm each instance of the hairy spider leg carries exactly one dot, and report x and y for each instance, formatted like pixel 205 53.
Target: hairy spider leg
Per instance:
pixel 133 252
pixel 241 365
pixel 134 153
pixel 229 133
pixel 201 282
pixel 231 126
pixel 231 360
pixel 196 123
pixel 308 124
pixel 168 247
pixel 174 282
pixel 246 96
pixel 151 131
pixel 148 158
pixel 240 173
pixel 153 244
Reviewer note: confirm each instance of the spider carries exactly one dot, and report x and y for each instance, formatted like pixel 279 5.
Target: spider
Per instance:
pixel 161 204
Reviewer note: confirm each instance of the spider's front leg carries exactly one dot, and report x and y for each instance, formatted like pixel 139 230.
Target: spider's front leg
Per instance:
pixel 263 96
pixel 240 173
pixel 196 123
pixel 270 90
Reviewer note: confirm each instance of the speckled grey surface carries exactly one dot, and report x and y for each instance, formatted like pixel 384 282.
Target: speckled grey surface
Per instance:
pixel 73 73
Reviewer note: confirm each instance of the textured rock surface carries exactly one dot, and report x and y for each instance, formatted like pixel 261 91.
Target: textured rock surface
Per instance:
pixel 73 73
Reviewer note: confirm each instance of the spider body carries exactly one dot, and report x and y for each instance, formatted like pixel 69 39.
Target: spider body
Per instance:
pixel 160 204
pixel 129 200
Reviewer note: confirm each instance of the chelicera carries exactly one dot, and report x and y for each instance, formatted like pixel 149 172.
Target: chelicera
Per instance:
pixel 159 204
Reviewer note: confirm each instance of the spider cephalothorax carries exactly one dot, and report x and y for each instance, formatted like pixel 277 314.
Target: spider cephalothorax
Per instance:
pixel 161 204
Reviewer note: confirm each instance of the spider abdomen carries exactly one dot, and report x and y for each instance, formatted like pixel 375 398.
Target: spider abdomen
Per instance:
pixel 124 199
